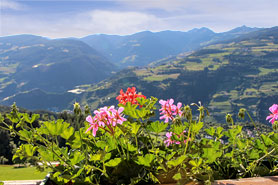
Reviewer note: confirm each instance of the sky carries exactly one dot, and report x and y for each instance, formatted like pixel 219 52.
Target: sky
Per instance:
pixel 79 18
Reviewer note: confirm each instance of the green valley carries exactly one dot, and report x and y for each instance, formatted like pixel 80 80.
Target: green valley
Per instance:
pixel 226 76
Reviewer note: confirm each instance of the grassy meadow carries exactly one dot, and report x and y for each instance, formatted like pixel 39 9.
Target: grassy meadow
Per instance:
pixel 8 172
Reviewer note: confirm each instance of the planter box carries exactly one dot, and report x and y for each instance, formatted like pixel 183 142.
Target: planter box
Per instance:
pixel 268 180
pixel 22 182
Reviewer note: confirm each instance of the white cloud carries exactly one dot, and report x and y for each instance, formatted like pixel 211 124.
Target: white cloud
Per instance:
pixel 98 21
pixel 198 6
pixel 138 15
pixel 9 4
pixel 122 22
pixel 168 5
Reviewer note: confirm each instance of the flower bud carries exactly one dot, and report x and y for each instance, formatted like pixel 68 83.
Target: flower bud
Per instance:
pixel 14 108
pixel 87 110
pixel 229 118
pixel 275 125
pixel 202 113
pixel 177 120
pixel 12 134
pixel 241 113
pixel 76 108
pixel 187 113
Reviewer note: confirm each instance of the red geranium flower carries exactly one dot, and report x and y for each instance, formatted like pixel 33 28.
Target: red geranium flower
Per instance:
pixel 129 96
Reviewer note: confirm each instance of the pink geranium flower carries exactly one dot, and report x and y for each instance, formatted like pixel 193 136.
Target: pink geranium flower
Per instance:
pixel 117 116
pixel 178 109
pixel 106 119
pixel 274 116
pixel 93 125
pixel 169 110
pixel 168 141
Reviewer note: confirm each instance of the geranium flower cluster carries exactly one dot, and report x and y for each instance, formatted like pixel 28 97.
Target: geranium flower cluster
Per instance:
pixel 129 96
pixel 106 119
pixel 274 116
pixel 169 141
pixel 169 110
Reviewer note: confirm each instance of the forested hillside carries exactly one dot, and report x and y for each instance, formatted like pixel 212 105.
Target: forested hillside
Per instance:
pixel 225 76
pixel 28 62
pixel 142 48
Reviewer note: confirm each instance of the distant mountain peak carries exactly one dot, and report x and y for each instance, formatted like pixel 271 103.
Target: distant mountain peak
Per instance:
pixel 147 32
pixel 199 30
pixel 243 29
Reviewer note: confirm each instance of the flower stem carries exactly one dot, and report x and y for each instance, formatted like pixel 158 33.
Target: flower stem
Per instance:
pixel 187 140
pixel 253 122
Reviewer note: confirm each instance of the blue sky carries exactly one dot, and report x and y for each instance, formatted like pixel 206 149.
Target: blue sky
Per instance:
pixel 73 18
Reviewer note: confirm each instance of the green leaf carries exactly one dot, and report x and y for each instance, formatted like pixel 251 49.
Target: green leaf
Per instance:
pixel 141 112
pixel 67 133
pixel 197 127
pixel 101 144
pixel 178 129
pixel 141 101
pixel 260 145
pixel 76 157
pixel 267 140
pixel 50 127
pixel 196 163
pixel 176 162
pixel 254 154
pixel 46 154
pixel 210 131
pixel 1 118
pixel 76 142
pixel 135 128
pixel 130 147
pixel 29 149
pixel 110 142
pixel 153 178
pixel 177 176
pixel 33 118
pixel 57 127
pixel 60 126
pixel 13 118
pixel 25 150
pixel 78 173
pixel 211 154
pixel 96 157
pixel 106 156
pixel 240 144
pixel 25 134
pixel 168 157
pixel 64 151
pixel 219 130
pixel 15 156
pixel 113 162
pixel 145 160
pixel 274 138
pixel 157 127
pixel 229 155
pixel 193 163
pixel 130 110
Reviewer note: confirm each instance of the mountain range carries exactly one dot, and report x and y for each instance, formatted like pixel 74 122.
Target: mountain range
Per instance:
pixel 225 76
pixel 225 71
pixel 142 48
pixel 29 62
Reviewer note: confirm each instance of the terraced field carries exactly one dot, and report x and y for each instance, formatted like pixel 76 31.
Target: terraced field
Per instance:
pixel 225 77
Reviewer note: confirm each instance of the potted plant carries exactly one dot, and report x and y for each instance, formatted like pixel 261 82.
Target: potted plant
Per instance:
pixel 126 145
